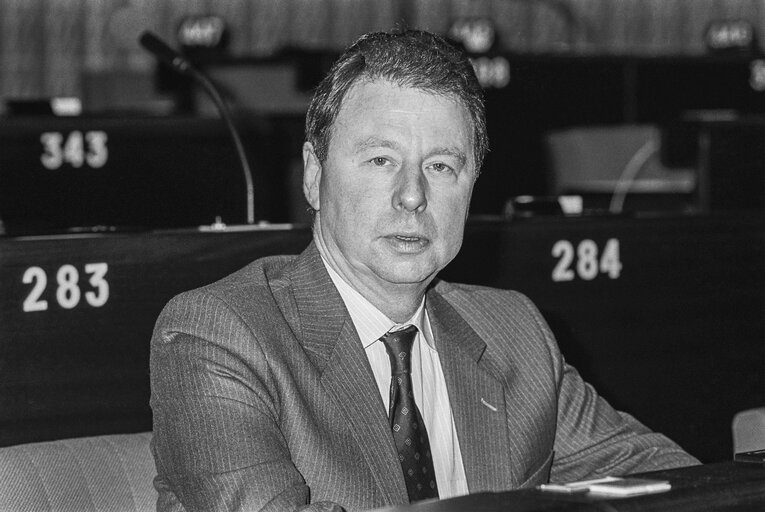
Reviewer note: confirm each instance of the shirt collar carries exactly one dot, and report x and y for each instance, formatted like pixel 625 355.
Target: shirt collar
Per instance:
pixel 369 321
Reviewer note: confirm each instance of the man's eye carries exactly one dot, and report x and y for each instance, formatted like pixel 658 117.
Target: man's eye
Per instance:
pixel 379 161
pixel 440 167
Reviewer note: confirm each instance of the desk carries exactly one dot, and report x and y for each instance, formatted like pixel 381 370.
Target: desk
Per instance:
pixel 151 172
pixel 665 316
pixel 712 487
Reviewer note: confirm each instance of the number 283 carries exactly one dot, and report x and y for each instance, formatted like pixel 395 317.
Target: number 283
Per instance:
pixel 68 291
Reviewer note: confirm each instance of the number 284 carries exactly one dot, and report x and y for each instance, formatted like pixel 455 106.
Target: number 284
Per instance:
pixel 585 260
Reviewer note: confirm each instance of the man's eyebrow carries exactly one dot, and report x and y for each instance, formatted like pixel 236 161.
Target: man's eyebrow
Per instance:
pixel 375 142
pixel 453 152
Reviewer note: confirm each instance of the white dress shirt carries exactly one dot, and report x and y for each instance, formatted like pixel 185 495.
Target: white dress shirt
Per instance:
pixel 429 386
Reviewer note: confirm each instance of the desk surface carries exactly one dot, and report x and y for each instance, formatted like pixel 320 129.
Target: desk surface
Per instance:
pixel 719 487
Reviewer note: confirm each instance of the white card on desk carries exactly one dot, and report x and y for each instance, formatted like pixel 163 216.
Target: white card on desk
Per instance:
pixel 629 487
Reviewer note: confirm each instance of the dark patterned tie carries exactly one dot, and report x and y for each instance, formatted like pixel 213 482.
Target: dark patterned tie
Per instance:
pixel 405 420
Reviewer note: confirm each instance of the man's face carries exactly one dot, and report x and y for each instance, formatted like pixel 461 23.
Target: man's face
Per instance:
pixel 393 194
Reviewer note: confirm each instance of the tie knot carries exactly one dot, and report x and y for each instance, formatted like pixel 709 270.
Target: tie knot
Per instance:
pixel 399 347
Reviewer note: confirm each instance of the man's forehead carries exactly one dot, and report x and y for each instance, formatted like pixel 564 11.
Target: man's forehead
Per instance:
pixel 390 98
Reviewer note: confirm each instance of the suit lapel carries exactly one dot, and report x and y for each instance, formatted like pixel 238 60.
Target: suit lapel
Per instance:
pixel 329 337
pixel 477 398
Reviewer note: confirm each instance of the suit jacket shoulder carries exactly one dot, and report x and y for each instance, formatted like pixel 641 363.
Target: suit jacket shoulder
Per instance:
pixel 259 295
pixel 259 279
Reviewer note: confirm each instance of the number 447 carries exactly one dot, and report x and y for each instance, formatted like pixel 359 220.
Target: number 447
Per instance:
pixel 585 260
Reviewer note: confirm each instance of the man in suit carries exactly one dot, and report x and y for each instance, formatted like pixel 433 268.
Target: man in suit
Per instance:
pixel 349 376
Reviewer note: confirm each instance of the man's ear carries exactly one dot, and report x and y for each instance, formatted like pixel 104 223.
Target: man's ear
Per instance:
pixel 311 176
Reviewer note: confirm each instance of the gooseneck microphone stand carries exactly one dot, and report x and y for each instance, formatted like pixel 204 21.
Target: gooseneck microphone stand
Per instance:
pixel 180 64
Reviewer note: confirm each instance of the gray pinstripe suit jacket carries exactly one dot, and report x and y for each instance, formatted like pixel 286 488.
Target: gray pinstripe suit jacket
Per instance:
pixel 263 398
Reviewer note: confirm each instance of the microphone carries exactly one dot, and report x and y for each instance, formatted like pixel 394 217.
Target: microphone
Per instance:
pixel 167 55
pixel 181 64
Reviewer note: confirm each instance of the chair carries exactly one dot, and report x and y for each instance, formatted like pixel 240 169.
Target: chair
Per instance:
pixel 109 473
pixel 613 160
pixel 749 430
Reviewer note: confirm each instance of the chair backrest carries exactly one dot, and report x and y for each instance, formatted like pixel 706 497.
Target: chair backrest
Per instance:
pixel 594 159
pixel 749 430
pixel 105 473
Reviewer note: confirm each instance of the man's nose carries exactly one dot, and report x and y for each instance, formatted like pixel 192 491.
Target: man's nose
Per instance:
pixel 410 193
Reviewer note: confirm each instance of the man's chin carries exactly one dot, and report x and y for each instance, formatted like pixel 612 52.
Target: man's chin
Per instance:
pixel 408 274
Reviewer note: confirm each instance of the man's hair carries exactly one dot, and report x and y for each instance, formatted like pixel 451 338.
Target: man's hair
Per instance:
pixel 408 58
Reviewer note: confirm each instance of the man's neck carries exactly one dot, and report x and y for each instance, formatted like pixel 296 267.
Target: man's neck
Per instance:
pixel 398 302
pixel 400 308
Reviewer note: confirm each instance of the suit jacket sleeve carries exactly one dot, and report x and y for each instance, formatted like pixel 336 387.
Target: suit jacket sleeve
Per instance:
pixel 208 396
pixel 592 438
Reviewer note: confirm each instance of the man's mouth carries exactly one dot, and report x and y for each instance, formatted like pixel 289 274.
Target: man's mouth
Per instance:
pixel 408 243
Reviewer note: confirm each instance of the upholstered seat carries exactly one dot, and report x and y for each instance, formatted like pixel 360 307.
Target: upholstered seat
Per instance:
pixel 107 473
